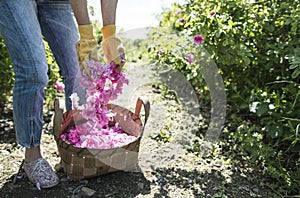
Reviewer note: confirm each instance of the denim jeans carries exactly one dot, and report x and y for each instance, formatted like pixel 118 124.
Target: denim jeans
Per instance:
pixel 23 25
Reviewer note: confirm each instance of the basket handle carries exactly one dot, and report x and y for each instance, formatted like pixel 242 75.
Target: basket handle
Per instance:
pixel 143 100
pixel 57 120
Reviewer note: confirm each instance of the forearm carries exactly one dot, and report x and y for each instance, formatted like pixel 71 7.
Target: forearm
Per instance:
pixel 108 10
pixel 80 11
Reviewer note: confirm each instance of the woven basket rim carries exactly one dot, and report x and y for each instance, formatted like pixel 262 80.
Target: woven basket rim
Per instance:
pixel 62 142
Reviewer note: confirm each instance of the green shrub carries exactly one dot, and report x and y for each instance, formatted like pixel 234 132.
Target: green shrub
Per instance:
pixel 7 75
pixel 256 46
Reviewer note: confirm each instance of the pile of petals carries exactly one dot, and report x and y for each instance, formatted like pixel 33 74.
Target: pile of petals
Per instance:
pixel 102 85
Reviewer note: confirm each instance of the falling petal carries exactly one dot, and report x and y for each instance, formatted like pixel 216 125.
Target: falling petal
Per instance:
pixel 38 186
pixel 164 187
pixel 21 176
pixel 178 11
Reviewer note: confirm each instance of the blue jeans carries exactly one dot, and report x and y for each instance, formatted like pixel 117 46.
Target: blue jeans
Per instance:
pixel 23 25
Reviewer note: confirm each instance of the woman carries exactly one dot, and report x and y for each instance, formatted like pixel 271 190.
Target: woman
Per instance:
pixel 23 25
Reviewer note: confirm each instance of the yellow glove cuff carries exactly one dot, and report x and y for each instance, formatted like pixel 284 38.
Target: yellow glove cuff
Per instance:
pixel 86 32
pixel 108 30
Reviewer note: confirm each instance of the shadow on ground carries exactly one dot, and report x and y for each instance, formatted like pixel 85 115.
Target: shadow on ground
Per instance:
pixel 7 132
pixel 210 183
pixel 118 184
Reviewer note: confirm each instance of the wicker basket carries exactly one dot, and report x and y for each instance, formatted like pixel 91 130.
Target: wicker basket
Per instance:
pixel 80 163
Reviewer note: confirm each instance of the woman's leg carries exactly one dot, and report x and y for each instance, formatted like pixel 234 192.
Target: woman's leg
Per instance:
pixel 21 32
pixel 60 30
pixel 20 29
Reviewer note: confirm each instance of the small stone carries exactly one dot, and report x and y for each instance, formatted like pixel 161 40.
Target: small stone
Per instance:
pixel 256 190
pixel 159 179
pixel 64 179
pixel 89 192
pixel 99 180
pixel 5 152
pixel 141 185
pixel 84 182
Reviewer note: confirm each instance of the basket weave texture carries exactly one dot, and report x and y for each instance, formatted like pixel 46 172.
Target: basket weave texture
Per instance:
pixel 81 163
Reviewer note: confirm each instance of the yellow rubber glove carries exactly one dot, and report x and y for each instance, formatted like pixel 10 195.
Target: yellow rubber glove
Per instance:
pixel 112 46
pixel 87 47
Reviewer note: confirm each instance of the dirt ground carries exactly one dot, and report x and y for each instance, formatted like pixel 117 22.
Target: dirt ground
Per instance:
pixel 166 169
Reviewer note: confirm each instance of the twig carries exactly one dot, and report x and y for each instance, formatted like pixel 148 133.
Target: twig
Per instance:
pixel 110 194
pixel 20 168
pixel 76 190
pixel 276 192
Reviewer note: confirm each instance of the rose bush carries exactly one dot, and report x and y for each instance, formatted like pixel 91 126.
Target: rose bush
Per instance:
pixel 256 46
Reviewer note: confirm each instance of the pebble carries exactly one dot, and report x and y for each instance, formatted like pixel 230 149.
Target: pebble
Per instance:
pixel 141 185
pixel 84 182
pixel 159 179
pixel 5 152
pixel 89 192
pixel 99 180
pixel 256 190
pixel 64 179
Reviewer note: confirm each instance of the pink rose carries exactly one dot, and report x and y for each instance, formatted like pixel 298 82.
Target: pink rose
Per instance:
pixel 59 86
pixel 178 11
pixel 212 13
pixel 190 58
pixel 198 39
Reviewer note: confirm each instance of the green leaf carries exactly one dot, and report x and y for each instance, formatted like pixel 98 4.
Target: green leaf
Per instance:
pixel 275 131
pixel 296 73
pixel 269 27
pixel 244 106
pixel 262 108
pixel 246 60
pixel 295 147
pixel 293 65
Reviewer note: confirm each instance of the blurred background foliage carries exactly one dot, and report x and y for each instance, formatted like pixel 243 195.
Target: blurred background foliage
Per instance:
pixel 7 75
